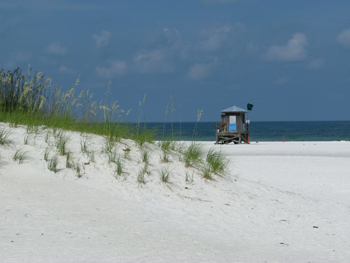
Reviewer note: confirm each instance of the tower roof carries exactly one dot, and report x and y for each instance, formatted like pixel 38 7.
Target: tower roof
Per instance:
pixel 234 109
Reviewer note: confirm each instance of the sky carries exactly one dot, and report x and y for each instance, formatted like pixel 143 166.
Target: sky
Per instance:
pixel 290 59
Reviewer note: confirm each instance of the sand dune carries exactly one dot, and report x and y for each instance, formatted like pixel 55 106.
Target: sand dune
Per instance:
pixel 279 202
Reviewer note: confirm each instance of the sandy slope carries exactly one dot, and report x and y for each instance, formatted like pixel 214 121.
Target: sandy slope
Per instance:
pixel 265 210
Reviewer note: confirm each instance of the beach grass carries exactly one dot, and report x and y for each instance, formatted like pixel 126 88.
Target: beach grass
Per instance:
pixel 47 153
pixel 52 165
pixel 217 161
pixel 165 175
pixel 120 166
pixel 20 156
pixel 69 160
pixel 61 143
pixel 4 136
pixel 193 154
pixel 33 100
pixel 141 179
pixel 145 155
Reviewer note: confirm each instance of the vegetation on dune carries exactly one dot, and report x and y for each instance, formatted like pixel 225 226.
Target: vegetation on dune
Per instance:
pixel 35 102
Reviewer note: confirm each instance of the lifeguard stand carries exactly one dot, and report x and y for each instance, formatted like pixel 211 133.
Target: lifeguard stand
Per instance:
pixel 233 127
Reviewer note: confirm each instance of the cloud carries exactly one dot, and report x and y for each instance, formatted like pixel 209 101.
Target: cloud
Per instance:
pixel 65 69
pixel 152 61
pixel 102 40
pixel 56 49
pixel 316 64
pixel 214 38
pixel 202 70
pixel 293 51
pixel 199 71
pixel 282 80
pixel 344 38
pixel 117 68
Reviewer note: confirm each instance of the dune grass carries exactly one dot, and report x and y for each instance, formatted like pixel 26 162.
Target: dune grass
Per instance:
pixel 52 165
pixel 4 136
pixel 20 156
pixel 189 178
pixel 145 155
pixel 193 154
pixel 141 179
pixel 78 170
pixel 217 161
pixel 69 160
pixel 34 101
pixel 120 166
pixel 61 143
pixel 47 153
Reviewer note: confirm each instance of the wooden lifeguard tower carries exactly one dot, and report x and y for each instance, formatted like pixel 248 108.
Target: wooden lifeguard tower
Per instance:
pixel 233 127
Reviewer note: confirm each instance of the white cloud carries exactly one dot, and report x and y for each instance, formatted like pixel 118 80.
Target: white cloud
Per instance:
pixel 282 80
pixel 293 51
pixel 152 61
pixel 344 38
pixel 56 49
pixel 214 38
pixel 202 70
pixel 316 64
pixel 65 69
pixel 199 71
pixel 102 40
pixel 117 68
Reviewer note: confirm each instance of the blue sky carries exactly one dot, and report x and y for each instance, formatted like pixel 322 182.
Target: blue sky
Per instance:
pixel 291 59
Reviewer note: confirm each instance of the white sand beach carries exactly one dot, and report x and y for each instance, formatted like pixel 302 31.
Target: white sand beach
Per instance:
pixel 279 202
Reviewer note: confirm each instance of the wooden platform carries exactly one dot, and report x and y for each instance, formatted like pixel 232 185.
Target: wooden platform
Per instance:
pixel 224 137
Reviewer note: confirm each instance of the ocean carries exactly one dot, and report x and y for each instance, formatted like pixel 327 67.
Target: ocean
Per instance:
pixel 259 131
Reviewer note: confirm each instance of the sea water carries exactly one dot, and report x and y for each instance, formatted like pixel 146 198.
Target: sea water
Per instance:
pixel 258 131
